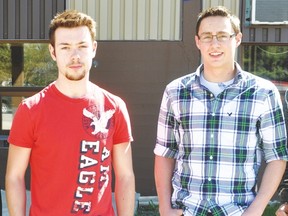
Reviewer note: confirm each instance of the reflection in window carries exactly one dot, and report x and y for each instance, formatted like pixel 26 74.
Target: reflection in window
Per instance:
pixel 269 62
pixel 39 68
pixel 9 106
pixel 26 65
pixel 22 65
pixel 5 65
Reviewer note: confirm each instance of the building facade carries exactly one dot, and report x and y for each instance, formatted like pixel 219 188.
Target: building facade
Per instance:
pixel 142 46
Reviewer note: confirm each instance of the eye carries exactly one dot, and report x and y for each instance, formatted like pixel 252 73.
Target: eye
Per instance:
pixel 64 48
pixel 206 36
pixel 83 46
pixel 222 36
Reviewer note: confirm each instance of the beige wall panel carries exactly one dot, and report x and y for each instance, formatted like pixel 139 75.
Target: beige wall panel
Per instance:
pixel 153 21
pixel 140 20
pixel 91 5
pixel 115 19
pixel 177 19
pixel 102 21
pixel 133 19
pixel 166 24
pixel 233 6
pixel 128 19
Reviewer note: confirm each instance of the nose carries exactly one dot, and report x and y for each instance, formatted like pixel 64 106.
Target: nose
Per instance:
pixel 215 40
pixel 75 55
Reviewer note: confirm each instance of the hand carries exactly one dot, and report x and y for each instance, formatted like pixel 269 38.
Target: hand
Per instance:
pixel 282 210
pixel 171 212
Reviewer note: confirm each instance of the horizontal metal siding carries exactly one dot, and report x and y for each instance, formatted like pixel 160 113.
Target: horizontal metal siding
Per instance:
pixel 27 19
pixel 133 19
pixel 265 35
pixel 261 33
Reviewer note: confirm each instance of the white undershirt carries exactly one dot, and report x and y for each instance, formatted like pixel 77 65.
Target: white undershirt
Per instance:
pixel 215 88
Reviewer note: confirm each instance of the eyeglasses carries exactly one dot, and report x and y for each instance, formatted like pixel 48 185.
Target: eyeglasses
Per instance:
pixel 220 36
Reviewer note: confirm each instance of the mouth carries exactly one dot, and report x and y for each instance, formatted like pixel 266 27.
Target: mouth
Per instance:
pixel 215 54
pixel 75 66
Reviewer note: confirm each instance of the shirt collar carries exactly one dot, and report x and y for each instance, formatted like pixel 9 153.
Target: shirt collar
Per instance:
pixel 238 77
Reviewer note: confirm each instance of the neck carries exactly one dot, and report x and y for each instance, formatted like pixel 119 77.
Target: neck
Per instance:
pixel 218 75
pixel 73 89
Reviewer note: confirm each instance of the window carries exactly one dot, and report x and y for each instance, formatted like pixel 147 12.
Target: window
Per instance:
pixel 269 62
pixel 277 12
pixel 24 70
pixel 26 65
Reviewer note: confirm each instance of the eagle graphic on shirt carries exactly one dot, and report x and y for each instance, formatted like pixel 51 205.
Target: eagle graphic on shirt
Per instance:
pixel 99 123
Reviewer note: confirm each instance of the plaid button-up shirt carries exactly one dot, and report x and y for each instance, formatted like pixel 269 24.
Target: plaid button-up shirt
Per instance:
pixel 218 141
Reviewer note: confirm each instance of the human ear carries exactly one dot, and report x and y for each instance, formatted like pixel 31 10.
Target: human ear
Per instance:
pixel 238 38
pixel 197 41
pixel 52 52
pixel 94 47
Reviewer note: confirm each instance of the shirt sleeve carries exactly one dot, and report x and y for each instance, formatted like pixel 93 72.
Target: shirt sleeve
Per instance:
pixel 167 130
pixel 273 128
pixel 122 124
pixel 21 133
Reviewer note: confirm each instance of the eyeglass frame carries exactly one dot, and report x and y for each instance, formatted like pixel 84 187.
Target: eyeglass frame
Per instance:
pixel 216 35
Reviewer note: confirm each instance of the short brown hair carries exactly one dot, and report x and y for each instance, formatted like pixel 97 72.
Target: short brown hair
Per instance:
pixel 71 19
pixel 219 11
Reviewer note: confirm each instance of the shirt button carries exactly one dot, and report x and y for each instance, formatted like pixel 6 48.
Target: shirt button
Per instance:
pixel 209 179
pixel 211 95
pixel 213 114
pixel 212 136
pixel 211 157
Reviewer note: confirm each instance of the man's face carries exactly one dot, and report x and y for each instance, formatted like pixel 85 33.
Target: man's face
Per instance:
pixel 217 54
pixel 73 52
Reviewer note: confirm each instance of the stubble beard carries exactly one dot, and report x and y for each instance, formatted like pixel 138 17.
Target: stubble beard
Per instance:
pixel 76 76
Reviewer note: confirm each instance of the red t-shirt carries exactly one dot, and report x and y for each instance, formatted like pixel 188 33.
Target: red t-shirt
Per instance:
pixel 71 142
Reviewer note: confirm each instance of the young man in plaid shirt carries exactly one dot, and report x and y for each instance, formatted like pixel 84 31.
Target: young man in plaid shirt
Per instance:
pixel 213 127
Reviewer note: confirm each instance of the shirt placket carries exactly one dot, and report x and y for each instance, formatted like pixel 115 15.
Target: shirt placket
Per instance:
pixel 211 148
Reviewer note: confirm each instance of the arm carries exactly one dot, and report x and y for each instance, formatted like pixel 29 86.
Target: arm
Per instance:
pixel 124 179
pixel 18 159
pixel 270 181
pixel 163 172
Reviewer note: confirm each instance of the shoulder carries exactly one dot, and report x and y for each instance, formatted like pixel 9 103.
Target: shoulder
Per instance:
pixel 182 86
pixel 36 99
pixel 190 80
pixel 251 80
pixel 187 81
pixel 108 97
pixel 259 82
